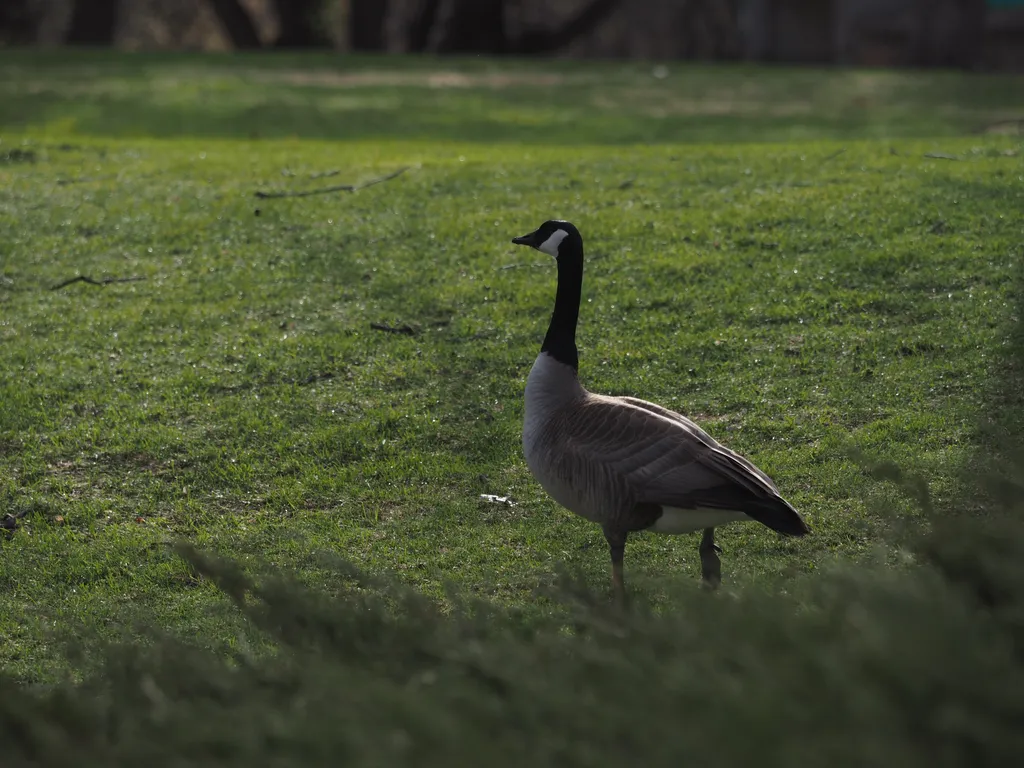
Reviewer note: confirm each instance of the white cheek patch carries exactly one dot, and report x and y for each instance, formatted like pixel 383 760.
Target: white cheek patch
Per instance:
pixel 550 246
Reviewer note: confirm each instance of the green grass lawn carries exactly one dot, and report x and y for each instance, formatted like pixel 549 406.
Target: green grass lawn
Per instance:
pixel 326 96
pixel 844 285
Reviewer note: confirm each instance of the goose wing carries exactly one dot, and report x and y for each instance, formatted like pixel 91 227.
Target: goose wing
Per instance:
pixel 653 455
pixel 724 458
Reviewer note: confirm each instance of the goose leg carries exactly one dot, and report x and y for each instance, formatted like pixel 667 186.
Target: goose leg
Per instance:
pixel 617 547
pixel 710 565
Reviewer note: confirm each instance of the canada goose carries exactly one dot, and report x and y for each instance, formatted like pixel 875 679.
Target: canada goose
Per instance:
pixel 624 463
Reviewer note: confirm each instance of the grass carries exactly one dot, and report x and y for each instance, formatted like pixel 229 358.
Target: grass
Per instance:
pixel 801 297
pixel 875 667
pixel 480 100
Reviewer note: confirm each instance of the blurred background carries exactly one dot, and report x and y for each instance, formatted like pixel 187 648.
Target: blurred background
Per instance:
pixel 969 34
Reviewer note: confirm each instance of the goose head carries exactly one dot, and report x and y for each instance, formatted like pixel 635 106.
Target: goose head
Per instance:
pixel 558 239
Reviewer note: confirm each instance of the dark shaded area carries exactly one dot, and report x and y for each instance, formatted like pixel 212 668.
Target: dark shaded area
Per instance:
pixel 299 24
pixel 967 34
pixel 481 26
pixel 93 22
pixel 366 20
pixel 421 22
pixel 585 21
pixel 973 14
pixel 985 557
pixel 708 29
pixel 17 23
pixel 468 26
pixel 237 24
pixel 437 26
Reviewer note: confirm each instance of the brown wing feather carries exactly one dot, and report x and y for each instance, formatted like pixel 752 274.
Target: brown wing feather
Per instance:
pixel 640 452
pixel 724 459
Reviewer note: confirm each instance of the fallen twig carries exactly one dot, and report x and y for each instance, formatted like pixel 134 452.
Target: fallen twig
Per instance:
pixel 408 330
pixel 86 179
pixel 516 266
pixel 90 281
pixel 313 378
pixel 940 156
pixel 287 172
pixel 336 188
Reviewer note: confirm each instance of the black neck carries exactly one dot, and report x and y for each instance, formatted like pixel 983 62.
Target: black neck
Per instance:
pixel 560 341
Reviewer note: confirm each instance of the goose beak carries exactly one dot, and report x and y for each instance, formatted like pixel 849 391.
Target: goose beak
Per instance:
pixel 530 239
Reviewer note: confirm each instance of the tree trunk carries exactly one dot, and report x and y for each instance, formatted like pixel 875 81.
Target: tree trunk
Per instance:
pixel 421 26
pixel 93 22
pixel 237 23
pixel 299 26
pixel 366 24
pixel 547 41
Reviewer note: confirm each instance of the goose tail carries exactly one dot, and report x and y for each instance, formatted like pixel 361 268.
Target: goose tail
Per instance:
pixel 779 515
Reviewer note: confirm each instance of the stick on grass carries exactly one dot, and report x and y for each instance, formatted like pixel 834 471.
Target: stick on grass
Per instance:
pixel 91 281
pixel 408 330
pixel 336 188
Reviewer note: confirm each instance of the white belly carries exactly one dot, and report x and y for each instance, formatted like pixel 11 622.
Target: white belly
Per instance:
pixel 675 520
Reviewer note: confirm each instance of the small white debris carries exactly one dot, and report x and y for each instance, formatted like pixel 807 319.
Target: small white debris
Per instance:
pixel 490 498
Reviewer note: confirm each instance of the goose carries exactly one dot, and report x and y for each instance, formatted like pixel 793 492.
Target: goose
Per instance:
pixel 625 463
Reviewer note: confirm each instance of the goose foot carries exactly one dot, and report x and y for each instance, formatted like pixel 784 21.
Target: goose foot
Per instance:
pixel 710 564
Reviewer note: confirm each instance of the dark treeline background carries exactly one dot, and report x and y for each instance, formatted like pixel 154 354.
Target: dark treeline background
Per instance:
pixel 972 34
